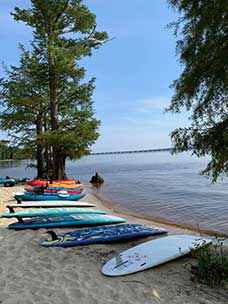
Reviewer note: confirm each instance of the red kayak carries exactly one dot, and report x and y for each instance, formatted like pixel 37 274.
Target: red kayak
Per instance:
pixel 39 183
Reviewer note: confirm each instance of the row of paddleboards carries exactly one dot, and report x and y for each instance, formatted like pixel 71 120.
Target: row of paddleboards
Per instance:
pixel 55 213
pixel 138 258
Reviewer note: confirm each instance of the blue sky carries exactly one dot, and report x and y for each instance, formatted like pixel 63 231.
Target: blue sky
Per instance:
pixel 133 71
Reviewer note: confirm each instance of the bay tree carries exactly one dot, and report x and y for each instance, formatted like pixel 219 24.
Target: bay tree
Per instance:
pixel 202 88
pixel 64 31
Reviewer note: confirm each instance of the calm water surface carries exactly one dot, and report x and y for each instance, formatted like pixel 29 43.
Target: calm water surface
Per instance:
pixel 156 185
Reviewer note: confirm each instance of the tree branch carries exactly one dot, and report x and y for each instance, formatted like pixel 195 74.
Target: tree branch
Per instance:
pixel 61 12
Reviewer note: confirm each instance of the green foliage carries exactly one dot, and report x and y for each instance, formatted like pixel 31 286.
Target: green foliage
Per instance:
pixel 202 86
pixel 9 152
pixel 23 97
pixel 212 265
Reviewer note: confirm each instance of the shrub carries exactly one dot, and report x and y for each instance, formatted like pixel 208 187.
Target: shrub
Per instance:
pixel 212 265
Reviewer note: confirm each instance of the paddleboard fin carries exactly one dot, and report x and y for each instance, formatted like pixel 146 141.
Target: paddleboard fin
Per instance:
pixel 20 220
pixel 53 235
pixel 11 210
pixel 119 261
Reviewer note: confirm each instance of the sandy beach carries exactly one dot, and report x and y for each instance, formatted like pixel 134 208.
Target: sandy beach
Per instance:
pixel 32 274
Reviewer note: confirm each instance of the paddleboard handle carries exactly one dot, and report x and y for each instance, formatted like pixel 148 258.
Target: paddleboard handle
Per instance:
pixel 53 235
pixel 18 201
pixel 11 210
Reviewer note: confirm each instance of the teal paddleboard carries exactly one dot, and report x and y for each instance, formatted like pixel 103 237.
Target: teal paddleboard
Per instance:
pixel 66 221
pixel 51 212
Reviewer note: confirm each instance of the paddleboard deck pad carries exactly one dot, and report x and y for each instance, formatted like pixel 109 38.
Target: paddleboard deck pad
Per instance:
pixel 50 212
pixel 152 253
pixel 66 221
pixel 100 235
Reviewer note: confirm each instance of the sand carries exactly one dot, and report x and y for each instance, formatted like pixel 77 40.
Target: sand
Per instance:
pixel 32 274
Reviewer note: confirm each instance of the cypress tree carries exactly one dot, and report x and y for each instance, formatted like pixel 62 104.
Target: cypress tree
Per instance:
pixel 64 31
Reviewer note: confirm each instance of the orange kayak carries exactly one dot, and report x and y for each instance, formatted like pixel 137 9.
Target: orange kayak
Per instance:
pixel 63 185
pixel 66 181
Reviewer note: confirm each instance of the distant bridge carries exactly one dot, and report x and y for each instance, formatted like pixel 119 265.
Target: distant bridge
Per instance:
pixel 133 151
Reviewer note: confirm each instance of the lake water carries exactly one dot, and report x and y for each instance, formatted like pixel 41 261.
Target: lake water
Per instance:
pixel 157 185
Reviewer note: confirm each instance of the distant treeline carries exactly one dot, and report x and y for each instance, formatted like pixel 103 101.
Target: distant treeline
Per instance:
pixel 9 152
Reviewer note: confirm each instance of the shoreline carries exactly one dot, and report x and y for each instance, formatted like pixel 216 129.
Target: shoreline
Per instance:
pixel 173 226
pixel 10 160
pixel 130 216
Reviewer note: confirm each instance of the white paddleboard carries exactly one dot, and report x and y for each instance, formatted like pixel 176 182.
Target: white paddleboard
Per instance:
pixel 49 204
pixel 18 193
pixel 152 253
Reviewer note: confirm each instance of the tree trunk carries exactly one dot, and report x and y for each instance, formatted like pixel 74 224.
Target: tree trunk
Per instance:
pixel 39 149
pixel 59 167
pixel 47 155
pixel 59 161
pixel 40 162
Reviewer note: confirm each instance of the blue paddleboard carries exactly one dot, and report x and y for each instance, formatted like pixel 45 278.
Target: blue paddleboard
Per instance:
pixel 100 235
pixel 50 193
pixel 63 189
pixel 66 221
pixel 29 196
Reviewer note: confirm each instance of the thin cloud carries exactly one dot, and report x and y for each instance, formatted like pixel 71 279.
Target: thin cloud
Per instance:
pixel 152 104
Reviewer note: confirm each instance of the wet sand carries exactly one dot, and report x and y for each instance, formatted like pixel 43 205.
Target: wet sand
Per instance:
pixel 32 274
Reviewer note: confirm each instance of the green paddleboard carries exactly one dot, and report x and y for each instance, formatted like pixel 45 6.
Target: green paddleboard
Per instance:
pixel 50 212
